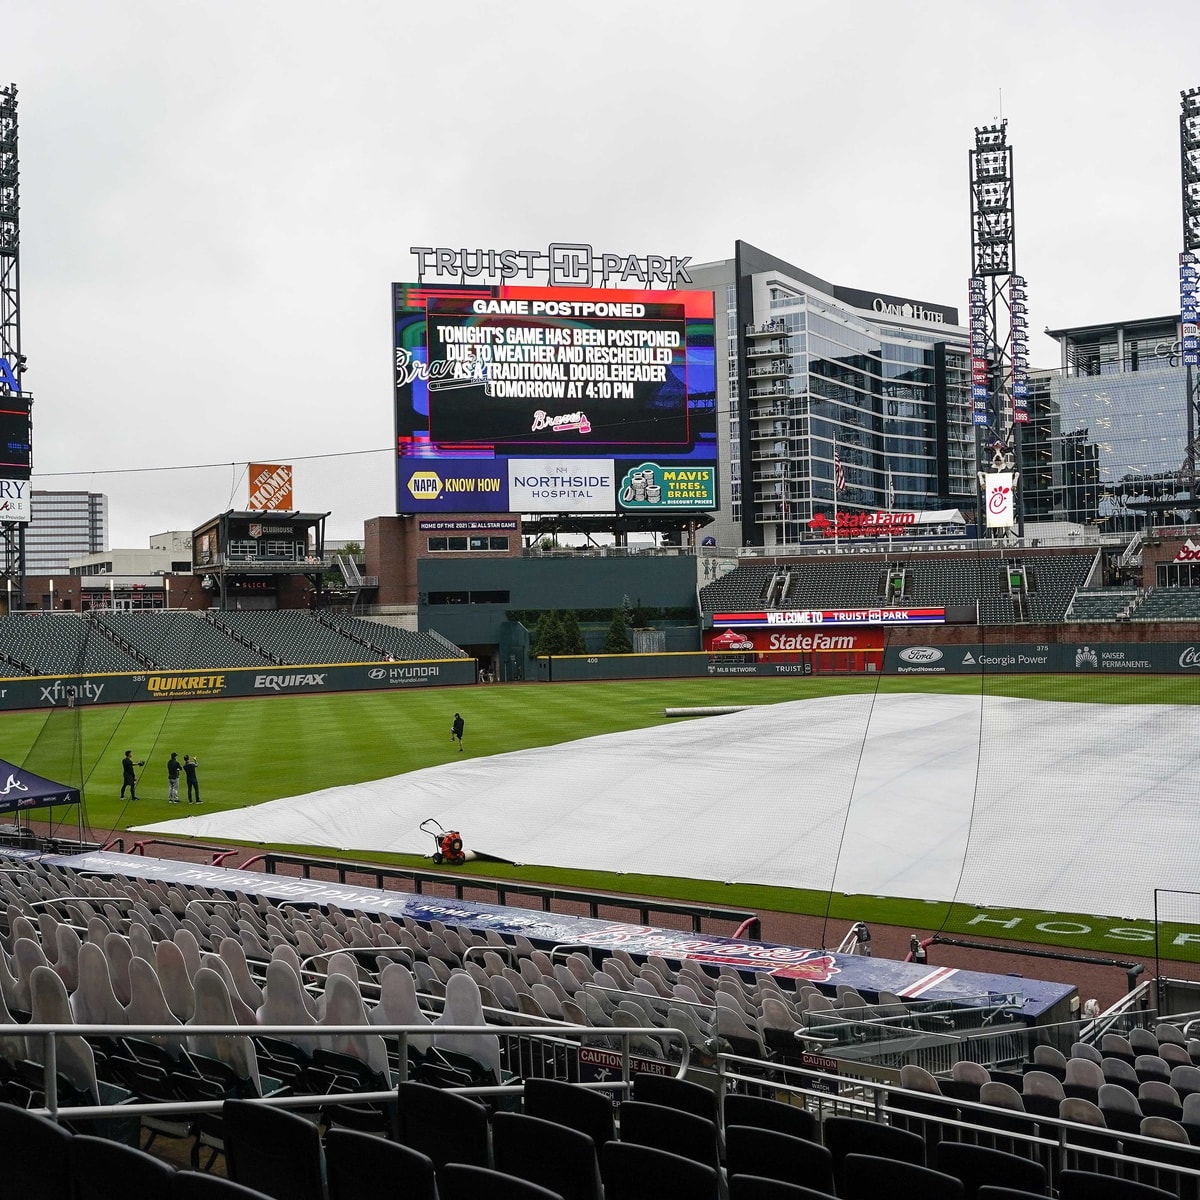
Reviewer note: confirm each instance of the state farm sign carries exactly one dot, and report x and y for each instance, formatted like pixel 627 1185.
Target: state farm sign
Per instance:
pixel 805 642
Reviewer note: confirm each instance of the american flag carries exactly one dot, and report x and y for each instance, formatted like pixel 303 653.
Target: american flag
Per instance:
pixel 839 476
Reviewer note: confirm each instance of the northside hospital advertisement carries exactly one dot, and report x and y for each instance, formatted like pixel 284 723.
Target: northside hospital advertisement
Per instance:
pixel 554 400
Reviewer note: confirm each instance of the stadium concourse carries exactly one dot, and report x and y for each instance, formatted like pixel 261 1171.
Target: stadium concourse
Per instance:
pixel 985 800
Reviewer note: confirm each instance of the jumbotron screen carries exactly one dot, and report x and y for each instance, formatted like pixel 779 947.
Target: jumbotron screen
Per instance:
pixel 545 400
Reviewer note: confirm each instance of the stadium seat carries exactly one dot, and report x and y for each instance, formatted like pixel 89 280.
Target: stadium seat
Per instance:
pixel 106 1170
pixel 272 1150
pixel 772 1155
pixel 362 1164
pixel 442 1125
pixel 1088 1185
pixel 977 1165
pixel 200 1185
pixel 555 1157
pixel 569 1104
pixel 671 1130
pixel 457 1181
pixel 762 1113
pixel 41 1169
pixel 865 1176
pixel 633 1172
pixel 755 1187
pixel 844 1136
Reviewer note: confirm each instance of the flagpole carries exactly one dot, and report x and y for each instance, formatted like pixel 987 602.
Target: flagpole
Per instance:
pixel 835 499
pixel 891 502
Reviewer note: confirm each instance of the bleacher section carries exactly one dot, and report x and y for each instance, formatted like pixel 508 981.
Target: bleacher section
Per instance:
pixel 1169 604
pixel 181 640
pixel 744 587
pixel 127 952
pixel 932 581
pixel 1101 604
pixel 383 640
pixel 64 643
pixel 1053 582
pixel 58 643
pixel 294 637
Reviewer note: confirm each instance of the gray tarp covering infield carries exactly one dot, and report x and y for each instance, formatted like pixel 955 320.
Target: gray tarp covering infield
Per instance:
pixel 990 800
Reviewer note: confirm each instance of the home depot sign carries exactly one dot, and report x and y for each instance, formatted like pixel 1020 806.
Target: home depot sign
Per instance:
pixel 270 488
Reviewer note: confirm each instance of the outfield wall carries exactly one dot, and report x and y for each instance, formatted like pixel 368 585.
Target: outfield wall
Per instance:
pixel 997 658
pixel 64 691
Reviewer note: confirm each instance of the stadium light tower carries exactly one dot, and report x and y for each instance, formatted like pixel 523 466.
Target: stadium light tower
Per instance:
pixel 1189 273
pixel 12 532
pixel 998 314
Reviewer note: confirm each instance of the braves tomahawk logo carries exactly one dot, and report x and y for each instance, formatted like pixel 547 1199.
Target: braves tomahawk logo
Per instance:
pixel 13 784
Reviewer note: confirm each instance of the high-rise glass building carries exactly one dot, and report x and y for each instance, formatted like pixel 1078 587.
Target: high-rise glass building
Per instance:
pixel 63 525
pixel 1115 419
pixel 807 368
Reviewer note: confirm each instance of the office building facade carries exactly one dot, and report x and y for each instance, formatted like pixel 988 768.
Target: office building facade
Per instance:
pixel 806 368
pixel 63 526
pixel 1114 417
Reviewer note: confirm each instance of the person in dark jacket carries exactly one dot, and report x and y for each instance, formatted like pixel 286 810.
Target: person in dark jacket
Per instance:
pixel 189 770
pixel 456 730
pixel 129 774
pixel 174 769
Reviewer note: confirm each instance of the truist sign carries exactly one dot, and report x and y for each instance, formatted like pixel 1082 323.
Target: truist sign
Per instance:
pixel 561 264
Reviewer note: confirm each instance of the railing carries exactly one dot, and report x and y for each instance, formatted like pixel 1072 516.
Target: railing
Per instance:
pixel 556 1034
pixel 824 1085
pixel 874 1093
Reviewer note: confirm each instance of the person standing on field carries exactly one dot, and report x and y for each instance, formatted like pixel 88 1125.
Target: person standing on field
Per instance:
pixel 129 774
pixel 456 730
pixel 174 768
pixel 193 784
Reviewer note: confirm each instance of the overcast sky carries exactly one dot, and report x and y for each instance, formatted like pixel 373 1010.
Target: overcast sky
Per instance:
pixel 216 196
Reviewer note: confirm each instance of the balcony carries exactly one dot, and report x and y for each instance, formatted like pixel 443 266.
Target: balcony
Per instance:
pixel 774 350
pixel 766 328
pixel 778 368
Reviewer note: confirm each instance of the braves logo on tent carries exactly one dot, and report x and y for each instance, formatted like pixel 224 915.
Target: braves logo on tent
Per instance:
pixel 13 784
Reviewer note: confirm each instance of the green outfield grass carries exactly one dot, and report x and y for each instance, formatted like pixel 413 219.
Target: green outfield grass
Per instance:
pixel 254 750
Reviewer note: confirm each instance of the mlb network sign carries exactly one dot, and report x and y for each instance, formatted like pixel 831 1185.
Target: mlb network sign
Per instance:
pixel 561 264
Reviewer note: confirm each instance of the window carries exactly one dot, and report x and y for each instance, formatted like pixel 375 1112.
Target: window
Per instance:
pixel 440 545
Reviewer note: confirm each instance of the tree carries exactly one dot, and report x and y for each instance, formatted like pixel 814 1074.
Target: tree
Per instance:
pixel 617 641
pixel 572 635
pixel 548 636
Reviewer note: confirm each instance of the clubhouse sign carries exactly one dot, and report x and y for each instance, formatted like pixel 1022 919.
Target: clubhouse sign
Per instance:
pixel 69 691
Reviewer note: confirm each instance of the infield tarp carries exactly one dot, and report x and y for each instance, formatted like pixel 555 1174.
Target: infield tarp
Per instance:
pixel 984 799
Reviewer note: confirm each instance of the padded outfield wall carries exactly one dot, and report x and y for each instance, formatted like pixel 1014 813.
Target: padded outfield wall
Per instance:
pixel 63 691
pixel 992 658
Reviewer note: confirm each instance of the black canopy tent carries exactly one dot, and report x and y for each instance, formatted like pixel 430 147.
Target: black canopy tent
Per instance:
pixel 22 790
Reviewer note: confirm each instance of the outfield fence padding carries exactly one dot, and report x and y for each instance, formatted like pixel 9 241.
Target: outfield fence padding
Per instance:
pixel 64 691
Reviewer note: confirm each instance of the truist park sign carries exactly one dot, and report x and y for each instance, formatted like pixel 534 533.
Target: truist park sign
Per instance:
pixel 561 264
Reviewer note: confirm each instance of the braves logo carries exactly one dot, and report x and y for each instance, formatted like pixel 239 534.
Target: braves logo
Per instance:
pixel 13 784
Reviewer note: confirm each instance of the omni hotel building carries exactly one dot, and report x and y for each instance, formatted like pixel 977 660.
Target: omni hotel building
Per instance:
pixel 804 366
